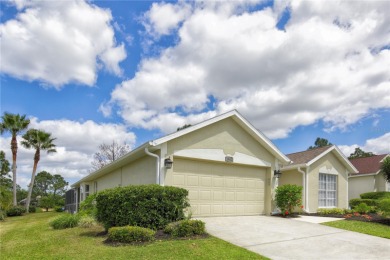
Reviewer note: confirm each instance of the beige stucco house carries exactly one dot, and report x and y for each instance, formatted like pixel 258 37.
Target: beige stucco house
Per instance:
pixel 369 178
pixel 323 174
pixel 226 164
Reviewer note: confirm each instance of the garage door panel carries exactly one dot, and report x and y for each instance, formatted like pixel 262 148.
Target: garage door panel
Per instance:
pixel 221 189
pixel 193 180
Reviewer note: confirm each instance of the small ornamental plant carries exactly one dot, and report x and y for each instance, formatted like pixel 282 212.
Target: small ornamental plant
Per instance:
pixel 288 197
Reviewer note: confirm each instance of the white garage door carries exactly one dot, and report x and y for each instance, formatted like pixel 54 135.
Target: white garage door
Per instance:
pixel 220 189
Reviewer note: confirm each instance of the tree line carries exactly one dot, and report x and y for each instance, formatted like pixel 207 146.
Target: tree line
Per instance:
pixel 39 140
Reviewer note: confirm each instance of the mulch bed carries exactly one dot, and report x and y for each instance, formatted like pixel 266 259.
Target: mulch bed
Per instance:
pixel 160 236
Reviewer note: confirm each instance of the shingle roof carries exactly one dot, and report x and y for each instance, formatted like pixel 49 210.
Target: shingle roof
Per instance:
pixel 306 156
pixel 368 165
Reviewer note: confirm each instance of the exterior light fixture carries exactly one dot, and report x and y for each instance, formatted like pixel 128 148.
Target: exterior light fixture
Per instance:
pixel 168 163
pixel 277 173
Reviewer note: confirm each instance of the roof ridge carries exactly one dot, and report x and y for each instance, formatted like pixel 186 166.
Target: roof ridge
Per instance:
pixel 322 147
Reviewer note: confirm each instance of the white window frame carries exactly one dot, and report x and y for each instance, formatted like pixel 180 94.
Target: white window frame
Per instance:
pixel 327 189
pixel 87 190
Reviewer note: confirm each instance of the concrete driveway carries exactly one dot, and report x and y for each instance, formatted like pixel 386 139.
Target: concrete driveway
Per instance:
pixel 279 238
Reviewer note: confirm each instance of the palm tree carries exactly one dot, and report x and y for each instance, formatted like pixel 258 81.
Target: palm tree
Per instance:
pixel 385 168
pixel 38 140
pixel 15 124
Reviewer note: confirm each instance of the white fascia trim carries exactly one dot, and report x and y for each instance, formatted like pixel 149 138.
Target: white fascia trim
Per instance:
pixel 350 166
pixel 292 167
pixel 384 158
pixel 108 167
pixel 219 156
pixel 362 175
pixel 210 121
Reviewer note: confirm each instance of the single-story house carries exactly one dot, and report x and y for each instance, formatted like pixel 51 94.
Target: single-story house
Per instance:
pixel 369 178
pixel 225 163
pixel 323 174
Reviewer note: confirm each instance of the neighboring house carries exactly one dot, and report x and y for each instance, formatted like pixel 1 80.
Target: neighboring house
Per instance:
pixel 323 174
pixel 225 163
pixel 369 178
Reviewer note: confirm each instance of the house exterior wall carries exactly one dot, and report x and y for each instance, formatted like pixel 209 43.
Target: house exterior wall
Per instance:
pixel 361 184
pixel 291 177
pixel 380 182
pixel 228 136
pixel 141 171
pixel 328 164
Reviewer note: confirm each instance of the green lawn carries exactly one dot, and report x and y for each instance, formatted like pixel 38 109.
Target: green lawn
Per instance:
pixel 30 237
pixel 373 229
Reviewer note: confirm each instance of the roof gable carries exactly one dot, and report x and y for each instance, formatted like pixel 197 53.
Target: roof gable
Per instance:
pixel 368 165
pixel 240 120
pixel 307 158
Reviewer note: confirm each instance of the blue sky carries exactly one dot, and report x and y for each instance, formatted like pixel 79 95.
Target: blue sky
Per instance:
pixel 132 71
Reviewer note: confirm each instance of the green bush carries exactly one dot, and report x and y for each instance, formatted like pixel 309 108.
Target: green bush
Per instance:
pixel 384 207
pixel 130 234
pixel 288 197
pixel 86 222
pixel 59 209
pixel 151 206
pixel 376 195
pixel 369 202
pixel 32 209
pixel 65 221
pixel 332 211
pixel 185 228
pixel 15 211
pixel 88 206
pixel 3 215
pixel 362 208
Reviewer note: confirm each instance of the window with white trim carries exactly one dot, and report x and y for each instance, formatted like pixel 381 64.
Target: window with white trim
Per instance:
pixel 86 190
pixel 327 191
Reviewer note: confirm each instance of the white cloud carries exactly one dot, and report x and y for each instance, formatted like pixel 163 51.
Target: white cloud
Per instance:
pixel 329 64
pixel 58 42
pixel 76 143
pixel 379 145
pixel 162 18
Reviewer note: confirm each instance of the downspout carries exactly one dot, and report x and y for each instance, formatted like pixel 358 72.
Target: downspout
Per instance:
pixel 306 209
pixel 157 164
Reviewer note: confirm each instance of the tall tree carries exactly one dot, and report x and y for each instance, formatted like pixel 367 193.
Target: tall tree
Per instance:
pixel 15 124
pixel 58 185
pixel 359 153
pixel 5 181
pixel 40 141
pixel 385 168
pixel 108 153
pixel 42 183
pixel 320 142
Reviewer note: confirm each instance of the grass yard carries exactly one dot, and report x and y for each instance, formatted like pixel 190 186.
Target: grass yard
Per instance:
pixel 31 237
pixel 373 229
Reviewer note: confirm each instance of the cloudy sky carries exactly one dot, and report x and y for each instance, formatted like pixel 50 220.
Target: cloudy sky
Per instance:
pixel 91 72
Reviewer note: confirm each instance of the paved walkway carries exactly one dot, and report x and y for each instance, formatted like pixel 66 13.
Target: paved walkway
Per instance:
pixel 279 238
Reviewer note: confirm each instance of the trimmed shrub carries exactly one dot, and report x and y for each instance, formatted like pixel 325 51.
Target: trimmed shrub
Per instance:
pixel 3 215
pixel 65 221
pixel 185 228
pixel 376 195
pixel 32 209
pixel 86 222
pixel 333 211
pixel 15 211
pixel 369 202
pixel 130 234
pixel 88 206
pixel 151 206
pixel 59 209
pixel 288 197
pixel 384 207
pixel 362 208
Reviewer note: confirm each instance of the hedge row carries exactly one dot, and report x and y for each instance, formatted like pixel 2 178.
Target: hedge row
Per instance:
pixel 369 202
pixel 376 195
pixel 150 206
